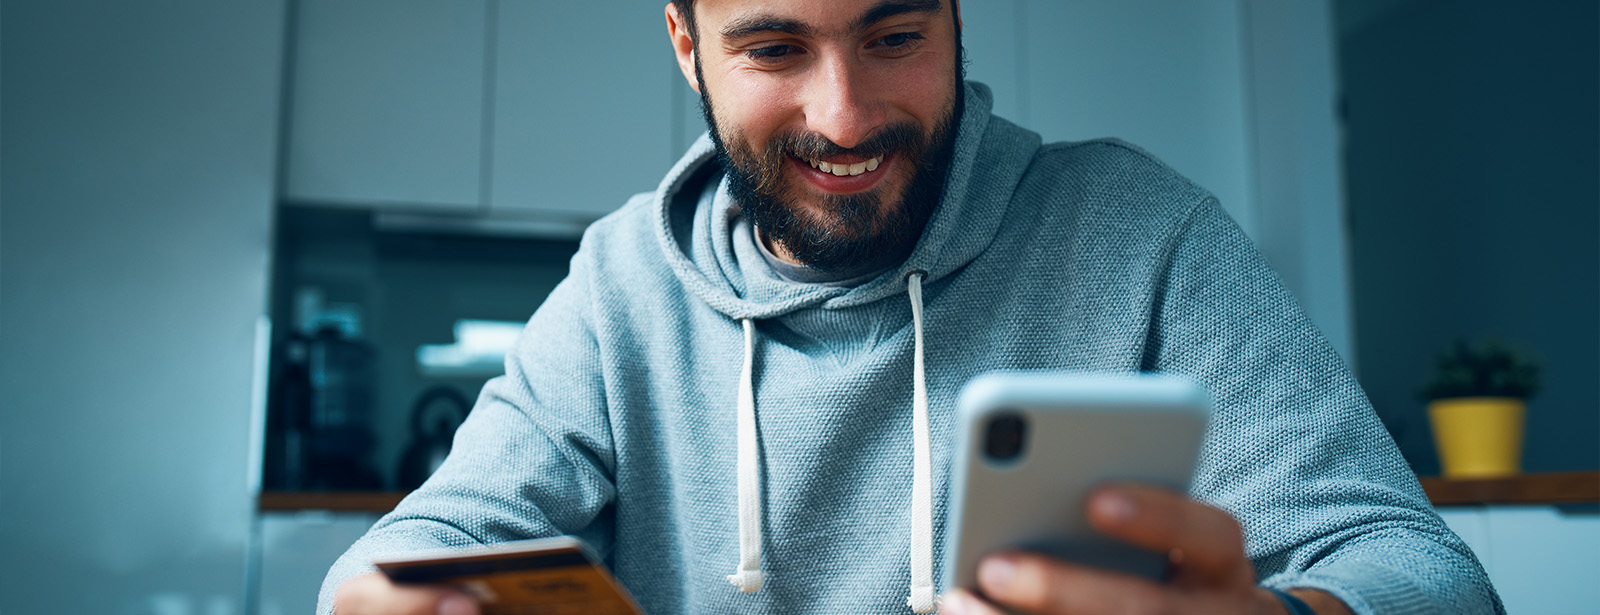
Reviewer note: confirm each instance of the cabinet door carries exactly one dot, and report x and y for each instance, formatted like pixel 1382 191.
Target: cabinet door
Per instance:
pixel 387 103
pixel 1545 560
pixel 296 551
pixel 582 106
pixel 1540 559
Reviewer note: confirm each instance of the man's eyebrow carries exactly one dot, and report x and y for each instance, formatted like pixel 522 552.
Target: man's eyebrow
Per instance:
pixel 756 24
pixel 891 8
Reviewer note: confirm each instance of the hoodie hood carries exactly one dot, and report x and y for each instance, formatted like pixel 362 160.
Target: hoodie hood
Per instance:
pixel 711 251
pixel 989 158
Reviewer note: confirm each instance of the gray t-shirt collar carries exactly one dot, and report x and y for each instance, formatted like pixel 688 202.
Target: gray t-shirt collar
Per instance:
pixel 805 274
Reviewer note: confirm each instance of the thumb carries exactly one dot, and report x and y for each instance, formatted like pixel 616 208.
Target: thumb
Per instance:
pixel 375 594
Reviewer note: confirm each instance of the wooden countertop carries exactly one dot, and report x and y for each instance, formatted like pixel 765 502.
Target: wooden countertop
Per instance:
pixel 1542 488
pixel 343 501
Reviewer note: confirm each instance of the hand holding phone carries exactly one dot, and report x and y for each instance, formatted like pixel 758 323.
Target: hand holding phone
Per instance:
pixel 1209 572
pixel 1031 447
pixel 1069 497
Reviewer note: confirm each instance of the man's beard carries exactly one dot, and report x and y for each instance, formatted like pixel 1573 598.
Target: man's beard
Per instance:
pixel 848 232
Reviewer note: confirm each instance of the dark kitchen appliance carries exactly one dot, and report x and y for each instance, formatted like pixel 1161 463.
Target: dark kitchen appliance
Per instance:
pixel 325 405
pixel 434 419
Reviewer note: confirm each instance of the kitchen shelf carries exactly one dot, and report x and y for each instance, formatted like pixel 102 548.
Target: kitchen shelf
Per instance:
pixel 343 501
pixel 1542 488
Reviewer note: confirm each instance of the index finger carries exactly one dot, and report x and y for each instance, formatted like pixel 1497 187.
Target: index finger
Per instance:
pixel 1210 540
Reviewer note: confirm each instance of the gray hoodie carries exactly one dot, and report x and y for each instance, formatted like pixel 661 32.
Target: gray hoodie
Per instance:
pixel 619 417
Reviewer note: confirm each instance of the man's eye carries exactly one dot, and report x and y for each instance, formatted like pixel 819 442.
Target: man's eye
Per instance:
pixel 774 52
pixel 900 40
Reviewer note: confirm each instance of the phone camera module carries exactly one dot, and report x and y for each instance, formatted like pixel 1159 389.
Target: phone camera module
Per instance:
pixel 1004 437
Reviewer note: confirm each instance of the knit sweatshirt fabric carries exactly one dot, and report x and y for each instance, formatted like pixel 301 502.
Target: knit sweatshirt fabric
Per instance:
pixel 615 420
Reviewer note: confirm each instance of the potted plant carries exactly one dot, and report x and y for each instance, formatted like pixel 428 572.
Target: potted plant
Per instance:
pixel 1476 403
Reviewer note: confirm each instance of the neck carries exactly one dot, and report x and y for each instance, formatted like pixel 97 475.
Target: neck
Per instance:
pixel 777 249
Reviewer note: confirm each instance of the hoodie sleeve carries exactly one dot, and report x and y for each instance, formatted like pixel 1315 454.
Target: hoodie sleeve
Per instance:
pixel 1295 451
pixel 533 459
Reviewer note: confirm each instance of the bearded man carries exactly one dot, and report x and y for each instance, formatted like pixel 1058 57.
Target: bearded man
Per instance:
pixel 725 381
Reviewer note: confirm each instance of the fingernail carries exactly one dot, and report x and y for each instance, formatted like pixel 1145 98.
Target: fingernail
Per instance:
pixel 457 605
pixel 996 573
pixel 1115 506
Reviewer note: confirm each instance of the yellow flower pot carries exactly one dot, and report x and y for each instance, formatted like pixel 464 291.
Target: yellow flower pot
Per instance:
pixel 1478 437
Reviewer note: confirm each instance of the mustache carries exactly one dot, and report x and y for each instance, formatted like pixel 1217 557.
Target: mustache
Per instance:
pixel 903 137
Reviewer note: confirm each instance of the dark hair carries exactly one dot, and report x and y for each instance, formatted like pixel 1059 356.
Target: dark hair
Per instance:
pixel 686 9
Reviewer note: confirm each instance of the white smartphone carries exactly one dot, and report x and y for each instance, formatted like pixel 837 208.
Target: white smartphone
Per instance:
pixel 1031 445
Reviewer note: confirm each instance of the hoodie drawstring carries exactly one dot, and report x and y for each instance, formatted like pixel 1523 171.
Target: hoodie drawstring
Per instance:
pixel 748 576
pixel 924 596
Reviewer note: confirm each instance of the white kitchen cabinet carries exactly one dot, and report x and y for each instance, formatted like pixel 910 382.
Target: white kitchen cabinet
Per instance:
pixel 386 104
pixel 297 549
pixel 1540 558
pixel 583 106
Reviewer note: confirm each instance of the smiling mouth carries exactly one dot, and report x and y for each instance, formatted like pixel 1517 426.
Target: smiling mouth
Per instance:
pixel 845 170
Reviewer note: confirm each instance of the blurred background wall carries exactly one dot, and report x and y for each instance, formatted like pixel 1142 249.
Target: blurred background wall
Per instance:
pixel 1473 174
pixel 139 150
pixel 173 174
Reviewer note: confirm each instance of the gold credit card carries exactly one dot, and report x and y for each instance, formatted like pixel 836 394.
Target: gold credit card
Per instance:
pixel 544 576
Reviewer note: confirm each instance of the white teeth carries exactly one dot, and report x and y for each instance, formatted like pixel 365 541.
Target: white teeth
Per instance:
pixel 842 170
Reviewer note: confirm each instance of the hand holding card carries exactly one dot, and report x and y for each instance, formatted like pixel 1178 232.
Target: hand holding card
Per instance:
pixel 552 576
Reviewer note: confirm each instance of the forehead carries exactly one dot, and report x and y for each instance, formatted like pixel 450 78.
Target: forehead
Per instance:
pixel 732 18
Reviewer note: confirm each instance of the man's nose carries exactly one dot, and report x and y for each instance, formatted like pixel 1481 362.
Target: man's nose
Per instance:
pixel 841 105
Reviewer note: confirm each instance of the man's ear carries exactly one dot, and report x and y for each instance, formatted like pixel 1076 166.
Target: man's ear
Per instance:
pixel 682 44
